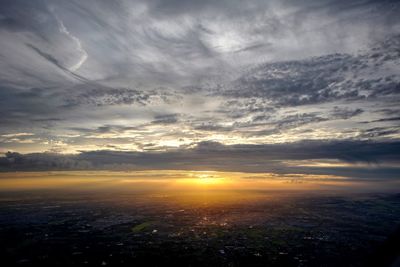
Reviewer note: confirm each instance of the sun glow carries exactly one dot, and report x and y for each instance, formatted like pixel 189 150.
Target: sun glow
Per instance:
pixel 208 178
pixel 172 181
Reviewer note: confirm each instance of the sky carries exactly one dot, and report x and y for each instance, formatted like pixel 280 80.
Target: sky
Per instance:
pixel 288 86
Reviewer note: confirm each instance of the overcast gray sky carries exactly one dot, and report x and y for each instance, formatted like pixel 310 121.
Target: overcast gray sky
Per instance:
pixel 174 76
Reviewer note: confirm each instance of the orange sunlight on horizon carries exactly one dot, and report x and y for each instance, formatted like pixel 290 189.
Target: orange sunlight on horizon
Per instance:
pixel 172 180
pixel 184 187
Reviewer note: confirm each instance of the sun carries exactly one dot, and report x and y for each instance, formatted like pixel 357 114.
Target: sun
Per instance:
pixel 207 178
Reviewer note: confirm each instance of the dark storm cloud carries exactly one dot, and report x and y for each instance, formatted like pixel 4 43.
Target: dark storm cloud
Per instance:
pixel 215 156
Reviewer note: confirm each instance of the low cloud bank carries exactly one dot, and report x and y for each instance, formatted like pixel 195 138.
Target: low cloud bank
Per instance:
pixel 364 159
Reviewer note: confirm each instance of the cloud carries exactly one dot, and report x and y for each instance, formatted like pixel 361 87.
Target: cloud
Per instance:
pixel 378 132
pixel 345 113
pixel 215 156
pixel 109 96
pixel 298 119
pixel 321 79
pixel 121 75
pixel 165 119
pixel 213 127
pixel 78 43
pixel 159 40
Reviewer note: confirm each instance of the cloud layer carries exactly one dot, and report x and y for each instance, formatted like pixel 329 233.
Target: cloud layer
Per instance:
pixel 352 159
pixel 149 78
